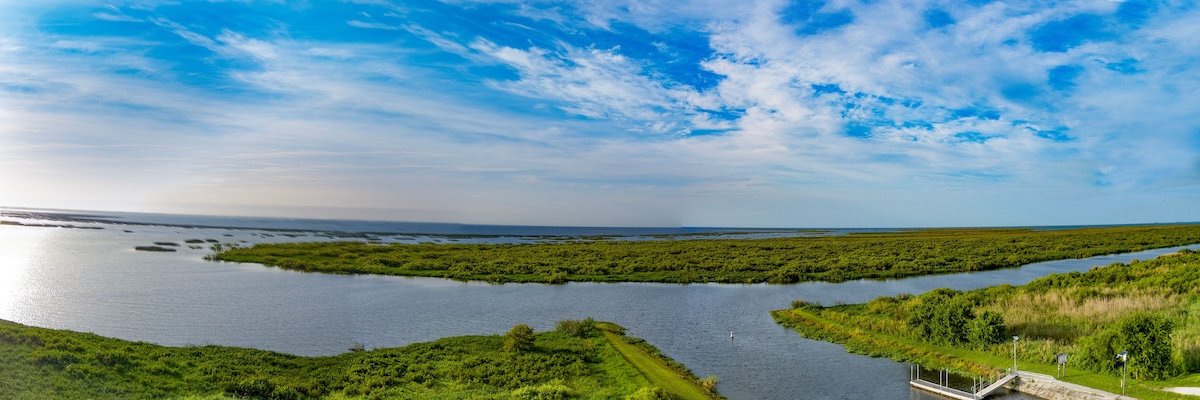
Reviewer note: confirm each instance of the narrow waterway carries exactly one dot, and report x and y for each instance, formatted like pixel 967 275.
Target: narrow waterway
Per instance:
pixel 93 281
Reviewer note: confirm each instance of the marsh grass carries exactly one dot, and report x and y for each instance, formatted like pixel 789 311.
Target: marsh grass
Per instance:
pixel 775 260
pixel 1067 314
pixel 1187 336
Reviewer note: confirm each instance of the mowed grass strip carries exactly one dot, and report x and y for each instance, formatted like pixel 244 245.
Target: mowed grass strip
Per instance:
pixel 655 370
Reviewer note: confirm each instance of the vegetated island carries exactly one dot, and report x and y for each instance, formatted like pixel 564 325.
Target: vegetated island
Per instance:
pixel 773 260
pixel 1151 309
pixel 578 360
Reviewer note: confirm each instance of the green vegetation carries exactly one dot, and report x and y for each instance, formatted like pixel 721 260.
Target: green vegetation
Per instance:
pixel 776 260
pixel 1150 309
pixel 519 339
pixel 154 248
pixel 586 360
pixel 669 378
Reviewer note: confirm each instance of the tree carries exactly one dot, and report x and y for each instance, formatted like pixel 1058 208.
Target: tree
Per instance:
pixel 987 328
pixel 519 339
pixel 950 321
pixel 1147 338
pixel 941 317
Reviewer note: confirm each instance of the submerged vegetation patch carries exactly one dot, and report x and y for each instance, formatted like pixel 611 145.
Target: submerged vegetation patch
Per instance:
pixel 580 360
pixel 773 260
pixel 154 248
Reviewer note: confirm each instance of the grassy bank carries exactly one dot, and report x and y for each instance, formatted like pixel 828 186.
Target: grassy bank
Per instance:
pixel 1149 308
pixel 777 260
pixel 661 371
pixel 560 364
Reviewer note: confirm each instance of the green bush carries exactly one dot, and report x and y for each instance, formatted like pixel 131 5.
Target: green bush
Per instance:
pixel 519 338
pixel 651 393
pixel 986 329
pixel 548 391
pixel 577 328
pixel 1147 339
pixel 942 317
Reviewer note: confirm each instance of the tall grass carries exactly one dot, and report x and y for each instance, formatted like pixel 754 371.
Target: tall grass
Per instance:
pixel 1187 336
pixel 1067 314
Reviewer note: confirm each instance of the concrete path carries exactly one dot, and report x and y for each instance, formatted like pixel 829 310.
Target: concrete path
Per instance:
pixel 1190 391
pixel 1047 387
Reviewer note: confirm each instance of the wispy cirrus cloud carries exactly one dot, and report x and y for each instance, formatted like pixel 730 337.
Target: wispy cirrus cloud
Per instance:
pixel 601 84
pixel 701 113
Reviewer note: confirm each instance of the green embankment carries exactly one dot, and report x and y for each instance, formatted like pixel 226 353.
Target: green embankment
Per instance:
pixel 1149 308
pixel 658 371
pixel 37 363
pixel 777 260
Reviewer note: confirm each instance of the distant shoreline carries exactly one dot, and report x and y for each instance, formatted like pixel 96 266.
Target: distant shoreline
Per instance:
pixel 775 260
pixel 414 228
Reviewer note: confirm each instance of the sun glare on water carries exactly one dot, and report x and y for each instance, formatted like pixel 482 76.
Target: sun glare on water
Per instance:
pixel 18 246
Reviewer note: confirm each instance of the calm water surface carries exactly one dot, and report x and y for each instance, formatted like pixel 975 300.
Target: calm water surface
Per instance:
pixel 93 281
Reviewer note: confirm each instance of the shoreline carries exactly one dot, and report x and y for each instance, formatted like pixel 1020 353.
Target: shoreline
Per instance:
pixel 579 357
pixel 777 260
pixel 1151 293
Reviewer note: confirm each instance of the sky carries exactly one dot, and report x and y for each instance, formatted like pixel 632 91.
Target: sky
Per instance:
pixel 756 113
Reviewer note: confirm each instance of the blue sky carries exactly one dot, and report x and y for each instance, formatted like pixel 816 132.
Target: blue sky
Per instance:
pixel 629 113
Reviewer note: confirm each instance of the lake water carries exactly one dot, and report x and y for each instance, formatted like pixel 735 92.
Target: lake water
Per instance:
pixel 94 281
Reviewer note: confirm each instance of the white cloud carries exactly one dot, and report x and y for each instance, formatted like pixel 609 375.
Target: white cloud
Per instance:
pixel 371 25
pixel 115 17
pixel 330 122
pixel 599 84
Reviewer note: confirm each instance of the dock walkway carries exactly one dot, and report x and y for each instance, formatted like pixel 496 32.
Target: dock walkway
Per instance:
pixel 957 394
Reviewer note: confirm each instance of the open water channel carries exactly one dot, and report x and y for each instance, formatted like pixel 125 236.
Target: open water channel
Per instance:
pixel 94 281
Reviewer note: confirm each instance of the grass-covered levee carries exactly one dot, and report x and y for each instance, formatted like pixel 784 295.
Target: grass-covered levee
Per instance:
pixel 578 360
pixel 1150 309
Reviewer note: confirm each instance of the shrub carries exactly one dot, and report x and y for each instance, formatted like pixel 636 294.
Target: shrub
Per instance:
pixel 710 383
pixel 549 391
pixel 1098 351
pixel 987 328
pixel 941 317
pixel 519 338
pixel 556 278
pixel 259 388
pixel 577 328
pixel 1145 337
pixel 805 305
pixel 650 393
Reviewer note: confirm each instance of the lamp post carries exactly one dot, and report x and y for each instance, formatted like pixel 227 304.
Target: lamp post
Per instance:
pixel 1124 357
pixel 1015 338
